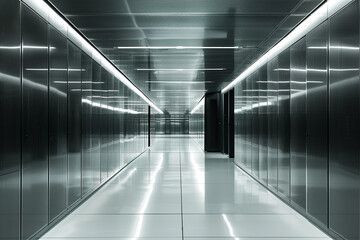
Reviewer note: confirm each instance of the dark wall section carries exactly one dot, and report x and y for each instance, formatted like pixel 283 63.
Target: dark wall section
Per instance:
pixel 297 125
pixel 316 122
pixel 10 150
pixel 344 122
pixel 213 122
pixel 58 82
pixel 284 123
pixel 74 124
pixel 35 141
pixel 62 130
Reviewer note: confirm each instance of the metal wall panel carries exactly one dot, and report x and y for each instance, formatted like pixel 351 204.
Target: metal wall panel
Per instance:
pixel 95 125
pixel 110 123
pixel 316 121
pixel 263 126
pixel 57 122
pixel 74 124
pixel 272 109
pixel 104 143
pixel 118 141
pixel 10 119
pixel 255 125
pixel 284 124
pixel 35 123
pixel 344 122
pixel 243 125
pixel 86 90
pixel 248 122
pixel 298 123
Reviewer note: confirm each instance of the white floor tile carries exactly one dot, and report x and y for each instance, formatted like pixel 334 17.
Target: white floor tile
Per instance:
pixel 218 201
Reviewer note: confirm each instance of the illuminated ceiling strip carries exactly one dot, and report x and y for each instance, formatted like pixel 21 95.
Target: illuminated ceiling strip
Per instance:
pixel 201 103
pixel 52 17
pixel 175 47
pixel 181 69
pixel 178 82
pixel 325 11
pixel 78 82
pixel 160 90
pixel 55 69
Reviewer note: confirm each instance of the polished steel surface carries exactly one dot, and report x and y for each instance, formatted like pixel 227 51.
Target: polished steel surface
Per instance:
pixel 311 97
pixel 344 122
pixel 317 124
pixel 284 124
pixel 263 127
pixel 10 105
pixel 58 82
pixel 86 83
pixel 95 128
pixel 169 70
pixel 74 124
pixel 272 97
pixel 176 191
pixel 255 125
pixel 298 123
pixel 34 123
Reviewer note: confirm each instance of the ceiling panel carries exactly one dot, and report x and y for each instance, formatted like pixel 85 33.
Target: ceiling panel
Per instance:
pixel 176 79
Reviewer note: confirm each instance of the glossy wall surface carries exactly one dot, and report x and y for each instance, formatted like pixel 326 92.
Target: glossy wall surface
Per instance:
pixel 10 148
pixel 69 125
pixel 307 106
pixel 35 135
pixel 344 118
pixel 197 126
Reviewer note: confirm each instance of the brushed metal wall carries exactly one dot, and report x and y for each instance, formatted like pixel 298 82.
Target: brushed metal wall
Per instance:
pixel 309 100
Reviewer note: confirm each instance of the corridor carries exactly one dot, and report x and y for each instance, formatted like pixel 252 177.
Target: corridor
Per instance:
pixel 176 191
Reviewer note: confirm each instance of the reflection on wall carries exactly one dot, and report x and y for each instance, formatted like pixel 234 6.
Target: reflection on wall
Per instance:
pixel 197 124
pixel 68 124
pixel 297 124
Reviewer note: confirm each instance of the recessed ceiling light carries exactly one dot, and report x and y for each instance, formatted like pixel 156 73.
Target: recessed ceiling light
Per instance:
pixel 175 47
pixel 181 69
pixel 160 90
pixel 178 82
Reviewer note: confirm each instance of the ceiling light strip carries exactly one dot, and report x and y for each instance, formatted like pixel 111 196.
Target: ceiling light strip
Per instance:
pixel 53 18
pixel 325 11
pixel 176 47
pixel 181 69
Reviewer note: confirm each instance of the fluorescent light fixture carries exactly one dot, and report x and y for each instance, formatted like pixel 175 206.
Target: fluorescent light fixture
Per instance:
pixel 201 103
pixel 160 90
pixel 9 47
pixel 55 69
pixel 300 70
pixel 181 69
pixel 344 69
pixel 53 18
pixel 92 90
pixel 178 82
pixel 325 11
pixel 175 47
pixel 108 97
pixel 77 82
pixel 335 47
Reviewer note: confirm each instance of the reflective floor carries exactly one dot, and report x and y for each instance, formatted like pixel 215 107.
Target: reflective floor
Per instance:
pixel 176 191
